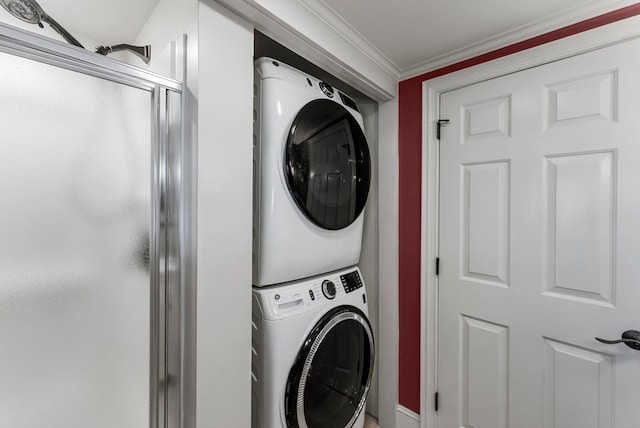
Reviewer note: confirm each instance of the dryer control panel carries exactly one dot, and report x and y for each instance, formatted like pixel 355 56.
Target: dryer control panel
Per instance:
pixel 351 281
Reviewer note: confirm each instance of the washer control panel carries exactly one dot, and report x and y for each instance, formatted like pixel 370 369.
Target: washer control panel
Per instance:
pixel 351 281
pixel 344 287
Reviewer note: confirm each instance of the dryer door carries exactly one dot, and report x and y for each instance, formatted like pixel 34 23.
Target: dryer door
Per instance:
pixel 329 382
pixel 327 162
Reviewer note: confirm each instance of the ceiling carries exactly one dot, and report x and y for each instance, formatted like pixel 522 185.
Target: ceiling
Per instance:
pixel 411 34
pixel 407 35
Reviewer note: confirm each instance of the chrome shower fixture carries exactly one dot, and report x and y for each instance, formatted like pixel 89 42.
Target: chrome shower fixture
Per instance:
pixel 142 52
pixel 30 11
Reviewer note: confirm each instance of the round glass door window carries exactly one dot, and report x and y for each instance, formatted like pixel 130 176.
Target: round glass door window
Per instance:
pixel 328 166
pixel 329 383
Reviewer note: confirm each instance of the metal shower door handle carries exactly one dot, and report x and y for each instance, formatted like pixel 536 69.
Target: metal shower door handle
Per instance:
pixel 631 338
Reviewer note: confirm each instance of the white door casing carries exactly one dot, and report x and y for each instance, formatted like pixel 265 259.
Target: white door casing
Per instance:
pixel 539 240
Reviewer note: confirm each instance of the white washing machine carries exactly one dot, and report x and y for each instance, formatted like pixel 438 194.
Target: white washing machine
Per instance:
pixel 313 353
pixel 312 172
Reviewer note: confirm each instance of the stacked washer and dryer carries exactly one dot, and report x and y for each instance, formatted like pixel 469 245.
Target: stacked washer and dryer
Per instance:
pixel 313 347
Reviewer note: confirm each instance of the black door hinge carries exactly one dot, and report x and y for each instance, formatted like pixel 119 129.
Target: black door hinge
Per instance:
pixel 437 265
pixel 439 124
pixel 435 401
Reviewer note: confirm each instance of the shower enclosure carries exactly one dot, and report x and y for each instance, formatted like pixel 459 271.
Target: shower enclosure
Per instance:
pixel 91 220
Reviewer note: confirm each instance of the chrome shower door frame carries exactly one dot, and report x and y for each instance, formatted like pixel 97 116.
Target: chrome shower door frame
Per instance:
pixel 169 209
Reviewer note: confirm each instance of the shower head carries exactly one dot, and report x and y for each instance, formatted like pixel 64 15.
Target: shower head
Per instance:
pixel 25 10
pixel 30 11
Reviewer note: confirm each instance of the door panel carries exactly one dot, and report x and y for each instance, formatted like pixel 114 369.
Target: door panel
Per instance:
pixel 485 211
pixel 579 245
pixel 484 350
pixel 569 368
pixel 539 242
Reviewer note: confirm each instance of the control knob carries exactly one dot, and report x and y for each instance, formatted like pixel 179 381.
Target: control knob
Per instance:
pixel 328 289
pixel 327 89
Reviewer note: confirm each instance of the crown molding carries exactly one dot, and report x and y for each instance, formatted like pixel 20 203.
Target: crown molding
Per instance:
pixel 302 30
pixel 553 22
pixel 314 29
pixel 341 27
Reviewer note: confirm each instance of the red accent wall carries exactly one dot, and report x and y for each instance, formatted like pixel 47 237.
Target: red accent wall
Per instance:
pixel 410 177
pixel 410 173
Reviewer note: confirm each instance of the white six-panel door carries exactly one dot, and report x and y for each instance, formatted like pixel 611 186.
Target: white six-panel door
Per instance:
pixel 540 246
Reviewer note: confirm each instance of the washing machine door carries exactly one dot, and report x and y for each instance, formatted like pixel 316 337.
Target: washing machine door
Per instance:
pixel 327 164
pixel 329 382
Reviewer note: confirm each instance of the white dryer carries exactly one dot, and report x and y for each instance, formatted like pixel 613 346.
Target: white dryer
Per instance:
pixel 312 172
pixel 313 353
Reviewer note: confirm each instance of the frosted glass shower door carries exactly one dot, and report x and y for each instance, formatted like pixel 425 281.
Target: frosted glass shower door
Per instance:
pixel 75 225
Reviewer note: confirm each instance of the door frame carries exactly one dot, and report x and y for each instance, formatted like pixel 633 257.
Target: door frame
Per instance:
pixel 518 59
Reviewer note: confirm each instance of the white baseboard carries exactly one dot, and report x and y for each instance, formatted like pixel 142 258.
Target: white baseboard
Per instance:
pixel 406 418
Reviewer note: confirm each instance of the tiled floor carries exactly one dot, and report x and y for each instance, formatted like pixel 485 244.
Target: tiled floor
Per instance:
pixel 369 422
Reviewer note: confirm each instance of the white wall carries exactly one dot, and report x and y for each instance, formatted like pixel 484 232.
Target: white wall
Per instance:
pixel 170 20
pixel 225 185
pixel 369 256
pixel 47 31
pixel 388 263
pixel 218 137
